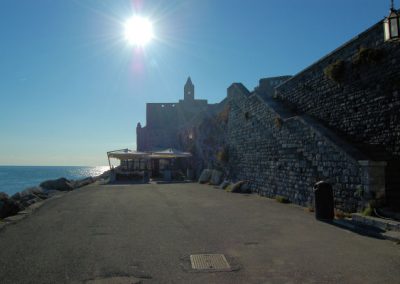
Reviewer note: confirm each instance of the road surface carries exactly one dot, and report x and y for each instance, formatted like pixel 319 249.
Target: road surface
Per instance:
pixel 146 233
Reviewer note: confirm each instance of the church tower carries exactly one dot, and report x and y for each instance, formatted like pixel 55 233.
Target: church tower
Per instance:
pixel 188 90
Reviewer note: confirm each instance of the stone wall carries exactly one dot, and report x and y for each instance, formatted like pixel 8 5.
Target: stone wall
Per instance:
pixel 149 139
pixel 359 97
pixel 281 154
pixel 167 129
pixel 162 115
pixel 206 137
pixel 163 121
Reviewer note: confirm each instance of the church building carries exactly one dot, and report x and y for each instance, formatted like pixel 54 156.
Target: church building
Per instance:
pixel 163 120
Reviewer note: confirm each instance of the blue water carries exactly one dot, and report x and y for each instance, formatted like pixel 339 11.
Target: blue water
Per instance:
pixel 17 178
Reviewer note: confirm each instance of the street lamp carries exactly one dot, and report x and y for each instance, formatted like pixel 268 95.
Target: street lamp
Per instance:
pixel 391 24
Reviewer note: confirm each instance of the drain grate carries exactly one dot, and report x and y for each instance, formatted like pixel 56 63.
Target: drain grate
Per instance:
pixel 115 280
pixel 209 262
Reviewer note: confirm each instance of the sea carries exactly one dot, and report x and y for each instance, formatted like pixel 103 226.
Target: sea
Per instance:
pixel 18 178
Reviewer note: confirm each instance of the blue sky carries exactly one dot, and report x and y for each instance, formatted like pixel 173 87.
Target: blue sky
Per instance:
pixel 72 88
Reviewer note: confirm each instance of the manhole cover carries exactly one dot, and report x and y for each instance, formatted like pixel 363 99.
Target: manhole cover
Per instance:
pixel 211 262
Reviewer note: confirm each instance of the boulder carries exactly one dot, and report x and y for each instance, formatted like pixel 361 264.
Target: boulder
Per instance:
pixel 61 184
pixel 16 196
pixel 8 207
pixel 30 193
pixel 82 182
pixel 224 184
pixel 32 190
pixel 105 175
pixel 29 202
pixel 3 196
pixel 205 176
pixel 236 188
pixel 216 177
pixel 29 196
pixel 245 188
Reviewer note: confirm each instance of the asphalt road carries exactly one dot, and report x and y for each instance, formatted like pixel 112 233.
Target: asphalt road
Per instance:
pixel 145 234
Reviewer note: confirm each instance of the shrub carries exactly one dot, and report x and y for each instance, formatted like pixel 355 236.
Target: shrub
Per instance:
pixel 336 71
pixel 236 187
pixel 310 209
pixel 229 188
pixel 223 155
pixel 339 214
pixel 367 56
pixel 368 211
pixel 282 199
pixel 278 122
pixel 359 193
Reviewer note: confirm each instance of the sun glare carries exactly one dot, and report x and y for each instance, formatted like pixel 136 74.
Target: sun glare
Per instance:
pixel 138 31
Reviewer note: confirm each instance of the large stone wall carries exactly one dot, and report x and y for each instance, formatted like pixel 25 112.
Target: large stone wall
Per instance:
pixel 162 115
pixel 205 138
pixel 362 100
pixel 148 139
pixel 163 120
pixel 281 154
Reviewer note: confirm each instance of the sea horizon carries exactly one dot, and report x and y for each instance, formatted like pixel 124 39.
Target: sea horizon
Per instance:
pixel 15 178
pixel 5 165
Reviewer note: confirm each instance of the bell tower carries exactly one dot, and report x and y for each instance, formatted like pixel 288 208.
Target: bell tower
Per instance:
pixel 188 90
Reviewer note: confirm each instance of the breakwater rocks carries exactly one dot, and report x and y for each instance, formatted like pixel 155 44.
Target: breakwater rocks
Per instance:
pixel 10 206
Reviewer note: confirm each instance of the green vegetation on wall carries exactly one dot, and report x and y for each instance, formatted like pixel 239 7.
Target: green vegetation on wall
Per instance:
pixel 336 71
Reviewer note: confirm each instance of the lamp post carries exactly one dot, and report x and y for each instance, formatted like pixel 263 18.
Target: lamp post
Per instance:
pixel 391 24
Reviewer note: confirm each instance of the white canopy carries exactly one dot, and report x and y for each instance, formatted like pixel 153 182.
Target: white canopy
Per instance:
pixel 170 153
pixel 126 154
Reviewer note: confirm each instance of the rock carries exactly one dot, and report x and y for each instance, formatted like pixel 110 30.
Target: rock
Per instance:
pixel 29 202
pixel 8 207
pixel 216 177
pixel 61 184
pixel 16 196
pixel 245 188
pixel 29 196
pixel 104 175
pixel 236 188
pixel 205 176
pixel 3 196
pixel 224 184
pixel 82 182
pixel 33 192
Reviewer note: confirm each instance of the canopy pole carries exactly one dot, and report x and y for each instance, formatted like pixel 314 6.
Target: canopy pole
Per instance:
pixel 109 161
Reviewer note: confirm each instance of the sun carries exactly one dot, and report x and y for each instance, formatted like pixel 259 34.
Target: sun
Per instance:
pixel 138 31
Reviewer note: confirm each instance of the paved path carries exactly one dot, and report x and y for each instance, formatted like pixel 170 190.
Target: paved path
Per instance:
pixel 133 233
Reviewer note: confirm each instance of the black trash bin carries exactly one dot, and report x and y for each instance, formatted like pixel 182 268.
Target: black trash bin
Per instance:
pixel 324 204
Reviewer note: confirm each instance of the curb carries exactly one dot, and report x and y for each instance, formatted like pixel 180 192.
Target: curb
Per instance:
pixel 26 212
pixel 368 230
pixel 384 224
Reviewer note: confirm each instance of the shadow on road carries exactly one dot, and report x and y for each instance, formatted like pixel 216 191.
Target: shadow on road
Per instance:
pixel 363 230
